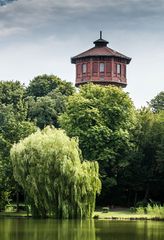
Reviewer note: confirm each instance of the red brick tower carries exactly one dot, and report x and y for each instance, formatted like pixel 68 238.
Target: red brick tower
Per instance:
pixel 101 65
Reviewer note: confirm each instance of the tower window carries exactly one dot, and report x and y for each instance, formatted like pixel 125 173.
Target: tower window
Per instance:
pixel 119 69
pixel 84 68
pixel 102 67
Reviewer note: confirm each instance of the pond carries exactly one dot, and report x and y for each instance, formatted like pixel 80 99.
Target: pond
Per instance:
pixel 29 229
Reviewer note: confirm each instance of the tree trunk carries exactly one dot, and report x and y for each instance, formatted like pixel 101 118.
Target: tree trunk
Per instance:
pixel 26 205
pixel 135 198
pixel 146 193
pixel 17 199
pixel 128 198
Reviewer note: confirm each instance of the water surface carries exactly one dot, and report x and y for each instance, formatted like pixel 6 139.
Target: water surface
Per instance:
pixel 29 229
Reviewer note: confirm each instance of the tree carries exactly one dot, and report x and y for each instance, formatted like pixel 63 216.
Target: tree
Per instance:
pixel 12 127
pixel 147 158
pixel 42 85
pixel 5 187
pixel 157 103
pixel 46 99
pixel 13 93
pixel 45 110
pixel 11 130
pixel 158 130
pixel 19 113
pixel 102 118
pixel 48 166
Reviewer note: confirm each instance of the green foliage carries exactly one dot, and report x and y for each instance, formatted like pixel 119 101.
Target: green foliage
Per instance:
pixel 154 211
pixel 19 114
pixel 4 147
pixel 42 85
pixel 13 93
pixel 11 130
pixel 47 165
pixel 147 158
pixel 4 199
pixel 102 118
pixel 157 103
pixel 45 110
pixel 47 99
pixel 142 203
pixel 158 132
pixel 140 210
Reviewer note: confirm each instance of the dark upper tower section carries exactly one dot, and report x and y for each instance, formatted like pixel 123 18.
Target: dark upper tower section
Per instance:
pixel 100 42
pixel 101 65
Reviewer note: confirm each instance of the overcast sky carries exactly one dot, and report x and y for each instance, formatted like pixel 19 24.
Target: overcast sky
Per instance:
pixel 40 36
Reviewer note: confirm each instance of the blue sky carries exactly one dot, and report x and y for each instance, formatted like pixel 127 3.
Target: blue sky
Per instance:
pixel 40 36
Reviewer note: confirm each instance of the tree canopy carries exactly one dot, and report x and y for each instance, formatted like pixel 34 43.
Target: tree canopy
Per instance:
pixel 146 162
pixel 157 103
pixel 46 97
pixel 43 84
pixel 102 118
pixel 20 113
pixel 128 144
pixel 13 93
pixel 49 167
pixel 13 127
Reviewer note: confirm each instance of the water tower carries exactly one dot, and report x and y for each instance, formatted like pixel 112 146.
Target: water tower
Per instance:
pixel 101 65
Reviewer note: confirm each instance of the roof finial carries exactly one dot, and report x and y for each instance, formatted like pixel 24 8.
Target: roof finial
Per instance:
pixel 100 34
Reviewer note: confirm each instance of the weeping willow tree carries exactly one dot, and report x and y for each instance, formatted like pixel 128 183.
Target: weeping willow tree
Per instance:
pixel 57 182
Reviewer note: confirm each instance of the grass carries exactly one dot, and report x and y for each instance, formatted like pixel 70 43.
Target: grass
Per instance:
pixel 155 212
pixel 150 212
pixel 118 214
pixel 112 214
pixel 10 211
pixel 13 214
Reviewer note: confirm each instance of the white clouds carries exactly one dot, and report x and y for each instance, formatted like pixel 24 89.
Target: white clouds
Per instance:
pixel 5 32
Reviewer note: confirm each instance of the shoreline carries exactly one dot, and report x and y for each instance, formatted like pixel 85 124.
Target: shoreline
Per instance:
pixel 124 215
pixel 130 218
pixel 110 216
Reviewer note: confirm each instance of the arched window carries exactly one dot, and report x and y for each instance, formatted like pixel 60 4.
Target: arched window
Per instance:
pixel 119 69
pixel 84 68
pixel 102 67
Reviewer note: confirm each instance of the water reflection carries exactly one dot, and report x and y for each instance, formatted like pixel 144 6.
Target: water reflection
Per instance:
pixel 29 229
pixel 129 230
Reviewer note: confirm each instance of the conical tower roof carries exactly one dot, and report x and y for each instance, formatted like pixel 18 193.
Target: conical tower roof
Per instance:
pixel 100 49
